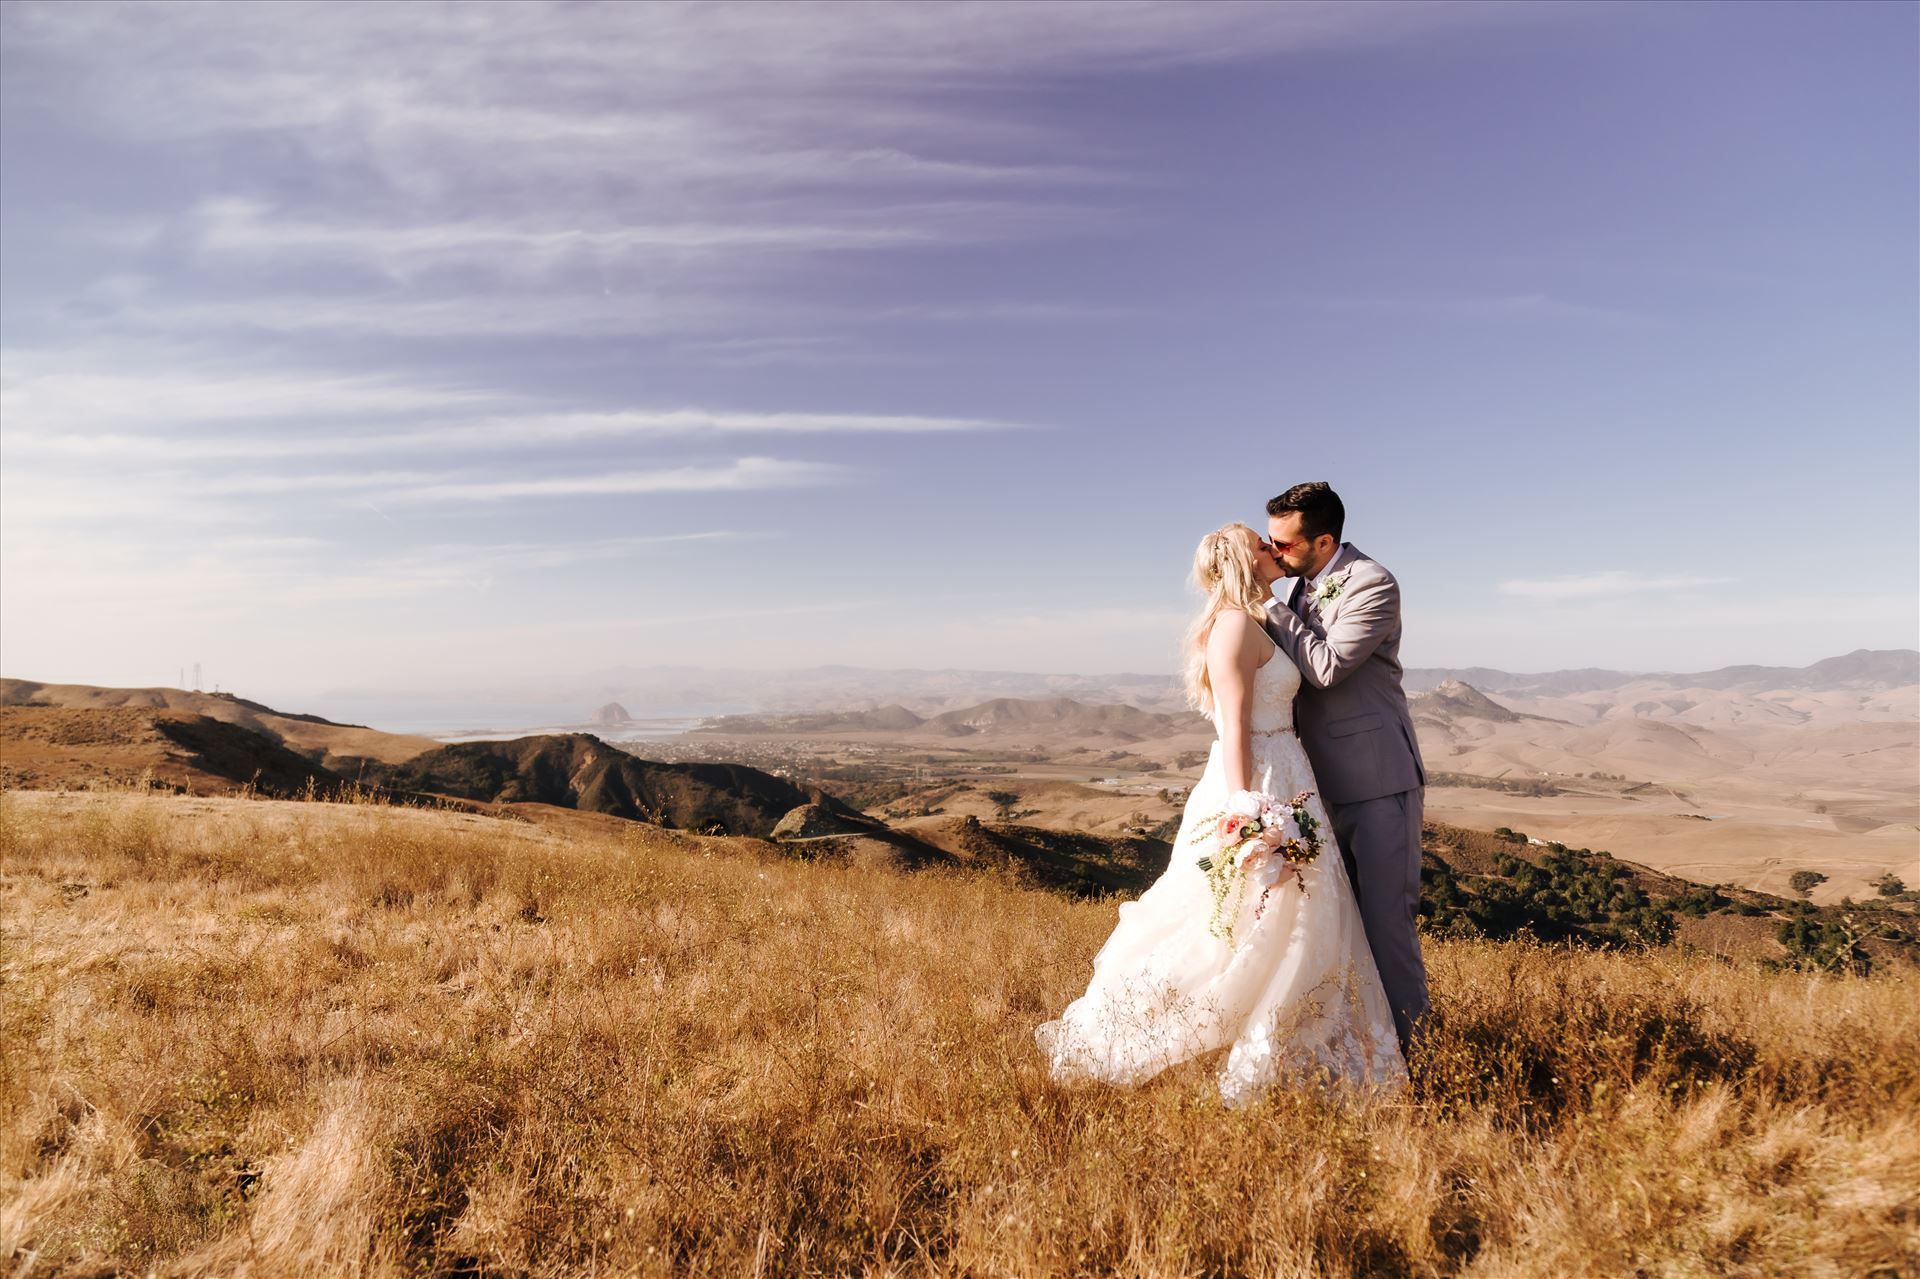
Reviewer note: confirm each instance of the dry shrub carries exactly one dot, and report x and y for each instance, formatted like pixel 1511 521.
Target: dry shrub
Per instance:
pixel 281 1039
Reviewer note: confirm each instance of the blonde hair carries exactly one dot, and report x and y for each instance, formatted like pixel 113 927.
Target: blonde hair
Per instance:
pixel 1223 570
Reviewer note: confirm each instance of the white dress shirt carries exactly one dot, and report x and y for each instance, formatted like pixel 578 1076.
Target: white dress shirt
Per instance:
pixel 1312 584
pixel 1339 553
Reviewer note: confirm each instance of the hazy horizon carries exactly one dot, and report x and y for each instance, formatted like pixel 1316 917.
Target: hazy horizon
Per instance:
pixel 666 699
pixel 463 346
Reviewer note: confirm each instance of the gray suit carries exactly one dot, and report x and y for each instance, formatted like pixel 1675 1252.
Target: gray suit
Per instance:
pixel 1353 720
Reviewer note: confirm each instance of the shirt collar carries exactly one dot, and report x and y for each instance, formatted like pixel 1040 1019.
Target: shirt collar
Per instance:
pixel 1339 553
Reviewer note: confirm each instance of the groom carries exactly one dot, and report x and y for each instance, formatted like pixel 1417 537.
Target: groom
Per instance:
pixel 1336 613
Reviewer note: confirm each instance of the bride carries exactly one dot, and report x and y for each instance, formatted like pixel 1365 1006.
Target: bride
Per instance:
pixel 1284 977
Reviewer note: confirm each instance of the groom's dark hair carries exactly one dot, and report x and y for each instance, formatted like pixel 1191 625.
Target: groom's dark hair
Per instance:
pixel 1320 508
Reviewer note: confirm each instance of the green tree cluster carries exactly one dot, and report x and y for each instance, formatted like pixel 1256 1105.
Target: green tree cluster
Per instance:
pixel 1826 944
pixel 1805 881
pixel 1566 895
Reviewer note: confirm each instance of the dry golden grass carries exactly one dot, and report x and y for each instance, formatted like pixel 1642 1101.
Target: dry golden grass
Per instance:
pixel 281 1039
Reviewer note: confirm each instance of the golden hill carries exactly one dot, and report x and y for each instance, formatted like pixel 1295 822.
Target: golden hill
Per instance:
pixel 335 747
pixel 79 736
pixel 49 746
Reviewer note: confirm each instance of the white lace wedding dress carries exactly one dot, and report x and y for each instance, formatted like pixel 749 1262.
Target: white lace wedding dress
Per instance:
pixel 1296 994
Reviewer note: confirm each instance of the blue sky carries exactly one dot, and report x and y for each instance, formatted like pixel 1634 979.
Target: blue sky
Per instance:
pixel 416 347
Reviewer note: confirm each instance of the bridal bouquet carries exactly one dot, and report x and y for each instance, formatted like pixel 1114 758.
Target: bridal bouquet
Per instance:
pixel 1260 841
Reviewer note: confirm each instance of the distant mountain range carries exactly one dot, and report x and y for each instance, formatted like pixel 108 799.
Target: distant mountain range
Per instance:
pixel 1145 707
pixel 688 690
pixel 1731 774
pixel 1862 668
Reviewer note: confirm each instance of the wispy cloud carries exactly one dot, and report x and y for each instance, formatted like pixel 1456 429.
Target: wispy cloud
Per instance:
pixel 691 78
pixel 529 431
pixel 74 389
pixel 190 491
pixel 1605 584
pixel 473 266
pixel 248 229
pixel 630 170
pixel 705 320
pixel 743 475
pixel 473 313
pixel 574 244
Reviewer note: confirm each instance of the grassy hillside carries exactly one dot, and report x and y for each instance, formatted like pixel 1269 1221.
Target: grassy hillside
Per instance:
pixel 47 746
pixel 264 1038
pixel 118 737
pixel 340 748
pixel 1501 885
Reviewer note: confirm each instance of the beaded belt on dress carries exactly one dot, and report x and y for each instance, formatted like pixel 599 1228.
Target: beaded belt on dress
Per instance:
pixel 1271 732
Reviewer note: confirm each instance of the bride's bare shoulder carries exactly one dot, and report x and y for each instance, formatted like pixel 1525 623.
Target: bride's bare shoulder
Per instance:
pixel 1230 626
pixel 1238 634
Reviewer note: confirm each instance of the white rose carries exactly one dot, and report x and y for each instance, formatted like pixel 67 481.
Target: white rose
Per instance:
pixel 1265 871
pixel 1246 803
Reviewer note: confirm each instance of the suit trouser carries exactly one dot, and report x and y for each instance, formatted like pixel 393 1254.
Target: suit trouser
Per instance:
pixel 1380 843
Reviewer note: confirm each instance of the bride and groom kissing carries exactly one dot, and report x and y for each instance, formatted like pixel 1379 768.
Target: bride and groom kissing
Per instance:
pixel 1295 657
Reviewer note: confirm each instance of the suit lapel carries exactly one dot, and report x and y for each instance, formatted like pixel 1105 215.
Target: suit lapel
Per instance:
pixel 1349 556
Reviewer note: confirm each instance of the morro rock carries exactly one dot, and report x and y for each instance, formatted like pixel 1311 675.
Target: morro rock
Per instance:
pixel 809 821
pixel 1460 700
pixel 612 713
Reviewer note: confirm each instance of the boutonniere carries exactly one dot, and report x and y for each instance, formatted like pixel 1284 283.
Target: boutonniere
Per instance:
pixel 1331 588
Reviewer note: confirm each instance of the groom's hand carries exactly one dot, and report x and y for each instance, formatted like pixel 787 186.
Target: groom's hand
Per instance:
pixel 1275 610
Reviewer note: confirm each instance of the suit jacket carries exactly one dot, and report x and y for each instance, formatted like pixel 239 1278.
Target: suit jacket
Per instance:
pixel 1351 711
